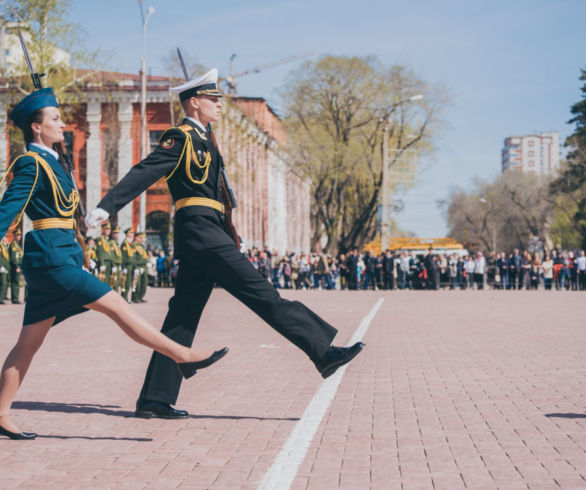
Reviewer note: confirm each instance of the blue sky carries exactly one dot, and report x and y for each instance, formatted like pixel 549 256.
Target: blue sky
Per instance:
pixel 511 67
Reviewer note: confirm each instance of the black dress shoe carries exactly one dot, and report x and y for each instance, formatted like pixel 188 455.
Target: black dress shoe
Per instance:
pixel 188 369
pixel 16 302
pixel 336 357
pixel 17 435
pixel 147 409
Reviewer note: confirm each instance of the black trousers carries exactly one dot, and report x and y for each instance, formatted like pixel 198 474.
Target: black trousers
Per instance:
pixel 227 267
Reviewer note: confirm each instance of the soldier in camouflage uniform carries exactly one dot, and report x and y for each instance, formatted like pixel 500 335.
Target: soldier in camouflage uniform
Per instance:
pixel 140 264
pixel 128 258
pixel 15 253
pixel 104 253
pixel 4 268
pixel 116 255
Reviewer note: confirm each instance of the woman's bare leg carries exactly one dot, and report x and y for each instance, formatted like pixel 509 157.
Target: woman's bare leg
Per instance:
pixel 16 365
pixel 141 331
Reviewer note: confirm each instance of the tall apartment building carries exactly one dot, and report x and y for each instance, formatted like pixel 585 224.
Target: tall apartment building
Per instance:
pixel 538 152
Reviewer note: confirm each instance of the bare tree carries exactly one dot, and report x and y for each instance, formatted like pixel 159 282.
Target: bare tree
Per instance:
pixel 336 112
pixel 503 214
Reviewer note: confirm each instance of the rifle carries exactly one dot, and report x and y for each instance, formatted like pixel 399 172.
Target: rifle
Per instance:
pixel 64 158
pixel 225 189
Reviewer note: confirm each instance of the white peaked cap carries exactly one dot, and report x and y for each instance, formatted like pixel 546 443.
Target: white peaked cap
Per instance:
pixel 205 85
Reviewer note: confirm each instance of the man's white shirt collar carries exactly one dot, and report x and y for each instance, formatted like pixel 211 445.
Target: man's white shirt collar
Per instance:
pixel 197 123
pixel 47 149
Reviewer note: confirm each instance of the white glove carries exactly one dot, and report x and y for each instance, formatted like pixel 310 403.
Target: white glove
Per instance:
pixel 94 218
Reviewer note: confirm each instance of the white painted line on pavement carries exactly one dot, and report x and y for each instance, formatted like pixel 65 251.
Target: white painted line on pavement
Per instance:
pixel 283 470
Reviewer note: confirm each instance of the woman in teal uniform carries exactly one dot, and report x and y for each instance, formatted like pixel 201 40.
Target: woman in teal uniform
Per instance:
pixel 58 286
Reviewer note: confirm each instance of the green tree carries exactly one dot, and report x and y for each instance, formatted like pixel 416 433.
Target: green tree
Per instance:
pixel 55 45
pixel 570 186
pixel 56 49
pixel 336 113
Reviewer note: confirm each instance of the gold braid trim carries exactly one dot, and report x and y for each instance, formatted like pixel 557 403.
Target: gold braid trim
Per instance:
pixel 190 156
pixel 105 244
pixel 129 248
pixel 66 205
pixel 21 212
pixel 46 223
pixel 199 201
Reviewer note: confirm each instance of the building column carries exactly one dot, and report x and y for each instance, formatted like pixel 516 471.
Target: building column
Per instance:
pixel 93 182
pixel 125 157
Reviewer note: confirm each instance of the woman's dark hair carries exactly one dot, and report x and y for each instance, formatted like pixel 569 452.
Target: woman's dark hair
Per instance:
pixel 35 117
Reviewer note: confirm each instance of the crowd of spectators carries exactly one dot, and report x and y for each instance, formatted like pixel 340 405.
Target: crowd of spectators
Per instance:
pixel 402 270
pixel 161 267
pixel 429 270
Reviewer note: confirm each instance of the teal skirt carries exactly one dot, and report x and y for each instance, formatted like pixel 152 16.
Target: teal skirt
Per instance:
pixel 59 292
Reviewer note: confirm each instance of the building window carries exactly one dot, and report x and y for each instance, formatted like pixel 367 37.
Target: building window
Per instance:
pixel 531 163
pixel 154 137
pixel 531 153
pixel 531 143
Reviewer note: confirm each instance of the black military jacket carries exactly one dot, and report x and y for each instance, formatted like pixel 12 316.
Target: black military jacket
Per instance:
pixel 196 227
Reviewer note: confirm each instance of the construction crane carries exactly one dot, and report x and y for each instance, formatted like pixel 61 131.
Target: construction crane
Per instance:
pixel 231 80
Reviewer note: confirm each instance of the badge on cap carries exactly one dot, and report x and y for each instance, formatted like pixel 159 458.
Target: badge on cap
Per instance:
pixel 205 85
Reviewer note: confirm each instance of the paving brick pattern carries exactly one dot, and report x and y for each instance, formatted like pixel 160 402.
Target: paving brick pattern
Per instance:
pixel 459 389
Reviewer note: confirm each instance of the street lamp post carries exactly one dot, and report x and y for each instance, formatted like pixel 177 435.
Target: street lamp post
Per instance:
pixel 143 122
pixel 386 192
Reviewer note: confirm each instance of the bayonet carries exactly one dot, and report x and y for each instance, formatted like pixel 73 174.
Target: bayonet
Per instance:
pixel 182 65
pixel 34 75
pixel 58 147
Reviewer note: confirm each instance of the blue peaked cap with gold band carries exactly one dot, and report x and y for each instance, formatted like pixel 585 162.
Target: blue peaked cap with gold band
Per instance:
pixel 44 97
pixel 205 85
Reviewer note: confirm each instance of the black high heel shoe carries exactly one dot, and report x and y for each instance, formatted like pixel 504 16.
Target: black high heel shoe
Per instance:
pixel 188 369
pixel 17 435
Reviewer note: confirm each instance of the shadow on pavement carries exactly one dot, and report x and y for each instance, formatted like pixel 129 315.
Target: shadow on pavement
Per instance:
pixel 89 438
pixel 108 410
pixel 72 408
pixel 242 417
pixel 567 415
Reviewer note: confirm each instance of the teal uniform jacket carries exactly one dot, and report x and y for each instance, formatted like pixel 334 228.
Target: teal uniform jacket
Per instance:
pixel 52 261
pixel 42 248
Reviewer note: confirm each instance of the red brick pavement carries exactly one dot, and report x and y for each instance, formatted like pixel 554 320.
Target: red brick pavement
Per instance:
pixel 459 389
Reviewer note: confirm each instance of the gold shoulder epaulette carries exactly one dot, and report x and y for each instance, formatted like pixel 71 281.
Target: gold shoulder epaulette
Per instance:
pixel 186 128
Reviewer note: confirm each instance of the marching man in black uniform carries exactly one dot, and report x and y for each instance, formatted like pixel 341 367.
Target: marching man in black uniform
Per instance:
pixel 205 244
